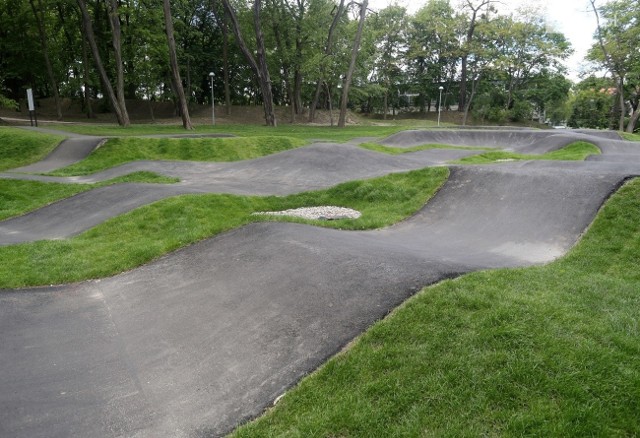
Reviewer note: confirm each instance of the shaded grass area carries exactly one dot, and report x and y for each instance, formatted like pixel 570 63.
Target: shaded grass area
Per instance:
pixel 19 147
pixel 18 197
pixel 304 132
pixel 576 151
pixel 630 137
pixel 148 232
pixel 377 147
pixel 541 351
pixel 118 151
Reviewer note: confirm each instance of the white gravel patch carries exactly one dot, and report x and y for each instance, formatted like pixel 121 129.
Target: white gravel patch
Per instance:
pixel 326 212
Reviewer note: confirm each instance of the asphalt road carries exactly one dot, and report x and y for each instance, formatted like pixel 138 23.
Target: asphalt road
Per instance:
pixel 206 337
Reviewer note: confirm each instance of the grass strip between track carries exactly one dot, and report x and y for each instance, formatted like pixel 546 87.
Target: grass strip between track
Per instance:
pixel 576 151
pixel 18 197
pixel 141 235
pixel 118 151
pixel 631 137
pixel 541 351
pixel 377 147
pixel 304 132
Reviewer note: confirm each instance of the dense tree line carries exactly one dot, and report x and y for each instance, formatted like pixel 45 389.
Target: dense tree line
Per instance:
pixel 305 54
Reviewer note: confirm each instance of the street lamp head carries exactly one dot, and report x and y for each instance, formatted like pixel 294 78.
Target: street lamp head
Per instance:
pixel 440 88
pixel 211 75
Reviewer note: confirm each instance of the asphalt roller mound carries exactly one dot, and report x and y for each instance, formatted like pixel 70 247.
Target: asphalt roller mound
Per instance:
pixel 208 336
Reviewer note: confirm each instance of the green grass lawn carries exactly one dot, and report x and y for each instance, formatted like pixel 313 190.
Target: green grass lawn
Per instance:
pixel 141 235
pixel 576 151
pixel 118 151
pixel 549 351
pixel 377 147
pixel 19 147
pixel 630 137
pixel 304 132
pixel 18 197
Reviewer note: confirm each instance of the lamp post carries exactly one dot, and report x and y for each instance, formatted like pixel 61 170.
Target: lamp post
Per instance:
pixel 213 105
pixel 440 103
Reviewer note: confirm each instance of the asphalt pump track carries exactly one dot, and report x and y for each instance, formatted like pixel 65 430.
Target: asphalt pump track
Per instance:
pixel 206 337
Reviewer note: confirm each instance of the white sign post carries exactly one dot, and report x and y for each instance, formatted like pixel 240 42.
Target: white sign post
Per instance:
pixel 32 107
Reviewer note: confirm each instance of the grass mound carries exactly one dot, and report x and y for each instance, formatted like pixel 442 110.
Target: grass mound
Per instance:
pixel 377 147
pixel 541 351
pixel 19 147
pixel 18 197
pixel 631 137
pixel 304 132
pixel 577 151
pixel 148 232
pixel 118 151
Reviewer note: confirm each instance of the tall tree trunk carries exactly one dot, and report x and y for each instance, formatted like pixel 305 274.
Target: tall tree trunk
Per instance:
pixel 299 58
pixel 328 50
pixel 385 105
pixel 463 84
pixel 297 90
pixel 47 59
pixel 314 102
pixel 352 66
pixel 623 107
pixel 633 121
pixel 330 100
pixel 264 77
pixel 85 79
pixel 282 46
pixel 463 65
pixel 619 79
pixel 175 70
pixel 107 88
pixel 222 24
pixel 225 61
pixel 467 107
pixel 114 21
pixel 259 67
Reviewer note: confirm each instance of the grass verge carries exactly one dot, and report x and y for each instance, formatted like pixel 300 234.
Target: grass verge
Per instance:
pixel 630 137
pixel 18 197
pixel 19 147
pixel 377 147
pixel 118 151
pixel 576 151
pixel 540 351
pixel 304 132
pixel 148 232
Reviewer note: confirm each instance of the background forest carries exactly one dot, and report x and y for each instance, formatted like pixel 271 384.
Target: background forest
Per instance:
pixel 319 54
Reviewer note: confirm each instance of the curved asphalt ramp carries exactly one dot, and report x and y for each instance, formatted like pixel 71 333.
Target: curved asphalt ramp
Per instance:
pixel 519 140
pixel 208 336
pixel 69 151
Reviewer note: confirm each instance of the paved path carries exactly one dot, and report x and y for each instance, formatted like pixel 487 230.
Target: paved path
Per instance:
pixel 208 336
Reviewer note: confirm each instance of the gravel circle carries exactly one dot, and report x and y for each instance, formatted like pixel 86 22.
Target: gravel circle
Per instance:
pixel 325 212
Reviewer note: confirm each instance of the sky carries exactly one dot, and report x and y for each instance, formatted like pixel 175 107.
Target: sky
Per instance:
pixel 573 18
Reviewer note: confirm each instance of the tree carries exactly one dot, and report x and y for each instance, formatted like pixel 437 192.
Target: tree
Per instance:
pixel 258 66
pixel 590 103
pixel 38 15
pixel 346 84
pixel 525 50
pixel 114 22
pixel 175 69
pixel 338 13
pixel 432 51
pixel 617 51
pixel 467 49
pixel 121 112
pixel 390 33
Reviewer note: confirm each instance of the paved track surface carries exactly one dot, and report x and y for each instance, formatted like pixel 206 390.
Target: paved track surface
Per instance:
pixel 208 336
